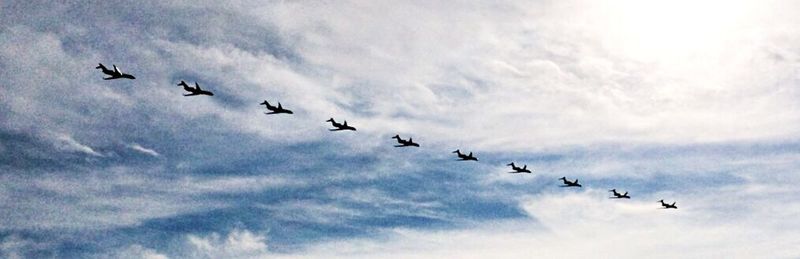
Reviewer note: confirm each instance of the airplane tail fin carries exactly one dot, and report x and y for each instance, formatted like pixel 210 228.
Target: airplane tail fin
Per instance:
pixel 100 66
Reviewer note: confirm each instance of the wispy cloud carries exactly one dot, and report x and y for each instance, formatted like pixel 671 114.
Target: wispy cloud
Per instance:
pixel 701 109
pixel 67 143
pixel 144 150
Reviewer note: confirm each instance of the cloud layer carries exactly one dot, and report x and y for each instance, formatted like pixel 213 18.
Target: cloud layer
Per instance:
pixel 701 110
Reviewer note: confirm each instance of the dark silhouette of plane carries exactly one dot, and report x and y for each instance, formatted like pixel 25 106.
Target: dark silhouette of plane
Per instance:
pixel 668 206
pixel 523 169
pixel 194 91
pixel 115 74
pixel 340 126
pixel 405 143
pixel 619 196
pixel 567 183
pixel 275 110
pixel 465 157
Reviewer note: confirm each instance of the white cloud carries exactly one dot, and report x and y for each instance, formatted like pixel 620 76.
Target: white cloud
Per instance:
pixel 571 224
pixel 499 76
pixel 506 75
pixel 237 244
pixel 144 150
pixel 67 143
pixel 118 196
pixel 546 76
pixel 586 224
pixel 138 252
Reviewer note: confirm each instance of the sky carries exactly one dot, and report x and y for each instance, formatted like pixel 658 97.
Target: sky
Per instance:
pixel 693 102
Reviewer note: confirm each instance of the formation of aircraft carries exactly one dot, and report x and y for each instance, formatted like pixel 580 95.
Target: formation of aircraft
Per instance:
pixel 523 169
pixel 405 143
pixel 196 90
pixel 114 74
pixel 274 109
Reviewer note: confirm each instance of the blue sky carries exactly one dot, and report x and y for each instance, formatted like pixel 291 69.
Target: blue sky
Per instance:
pixel 702 110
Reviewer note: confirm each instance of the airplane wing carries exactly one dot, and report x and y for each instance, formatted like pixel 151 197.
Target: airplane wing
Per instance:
pixel 116 70
pixel 197 86
pixel 279 106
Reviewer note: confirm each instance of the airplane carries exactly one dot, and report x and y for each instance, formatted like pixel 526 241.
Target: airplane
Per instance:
pixel 275 110
pixel 194 91
pixel 465 157
pixel 668 206
pixel 619 196
pixel 340 126
pixel 405 143
pixel 567 183
pixel 115 74
pixel 523 169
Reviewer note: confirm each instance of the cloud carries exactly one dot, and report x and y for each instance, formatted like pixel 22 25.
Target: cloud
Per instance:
pixel 138 252
pixel 575 224
pixel 67 143
pixel 616 94
pixel 144 150
pixel 542 81
pixel 120 196
pixel 586 224
pixel 237 244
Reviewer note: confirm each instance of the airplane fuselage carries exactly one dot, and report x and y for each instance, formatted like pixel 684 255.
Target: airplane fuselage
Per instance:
pixel 568 183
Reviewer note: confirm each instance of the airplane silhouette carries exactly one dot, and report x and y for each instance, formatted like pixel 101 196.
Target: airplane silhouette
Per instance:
pixel 194 91
pixel 340 126
pixel 668 206
pixel 523 169
pixel 275 110
pixel 465 157
pixel 567 183
pixel 115 74
pixel 619 196
pixel 405 143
